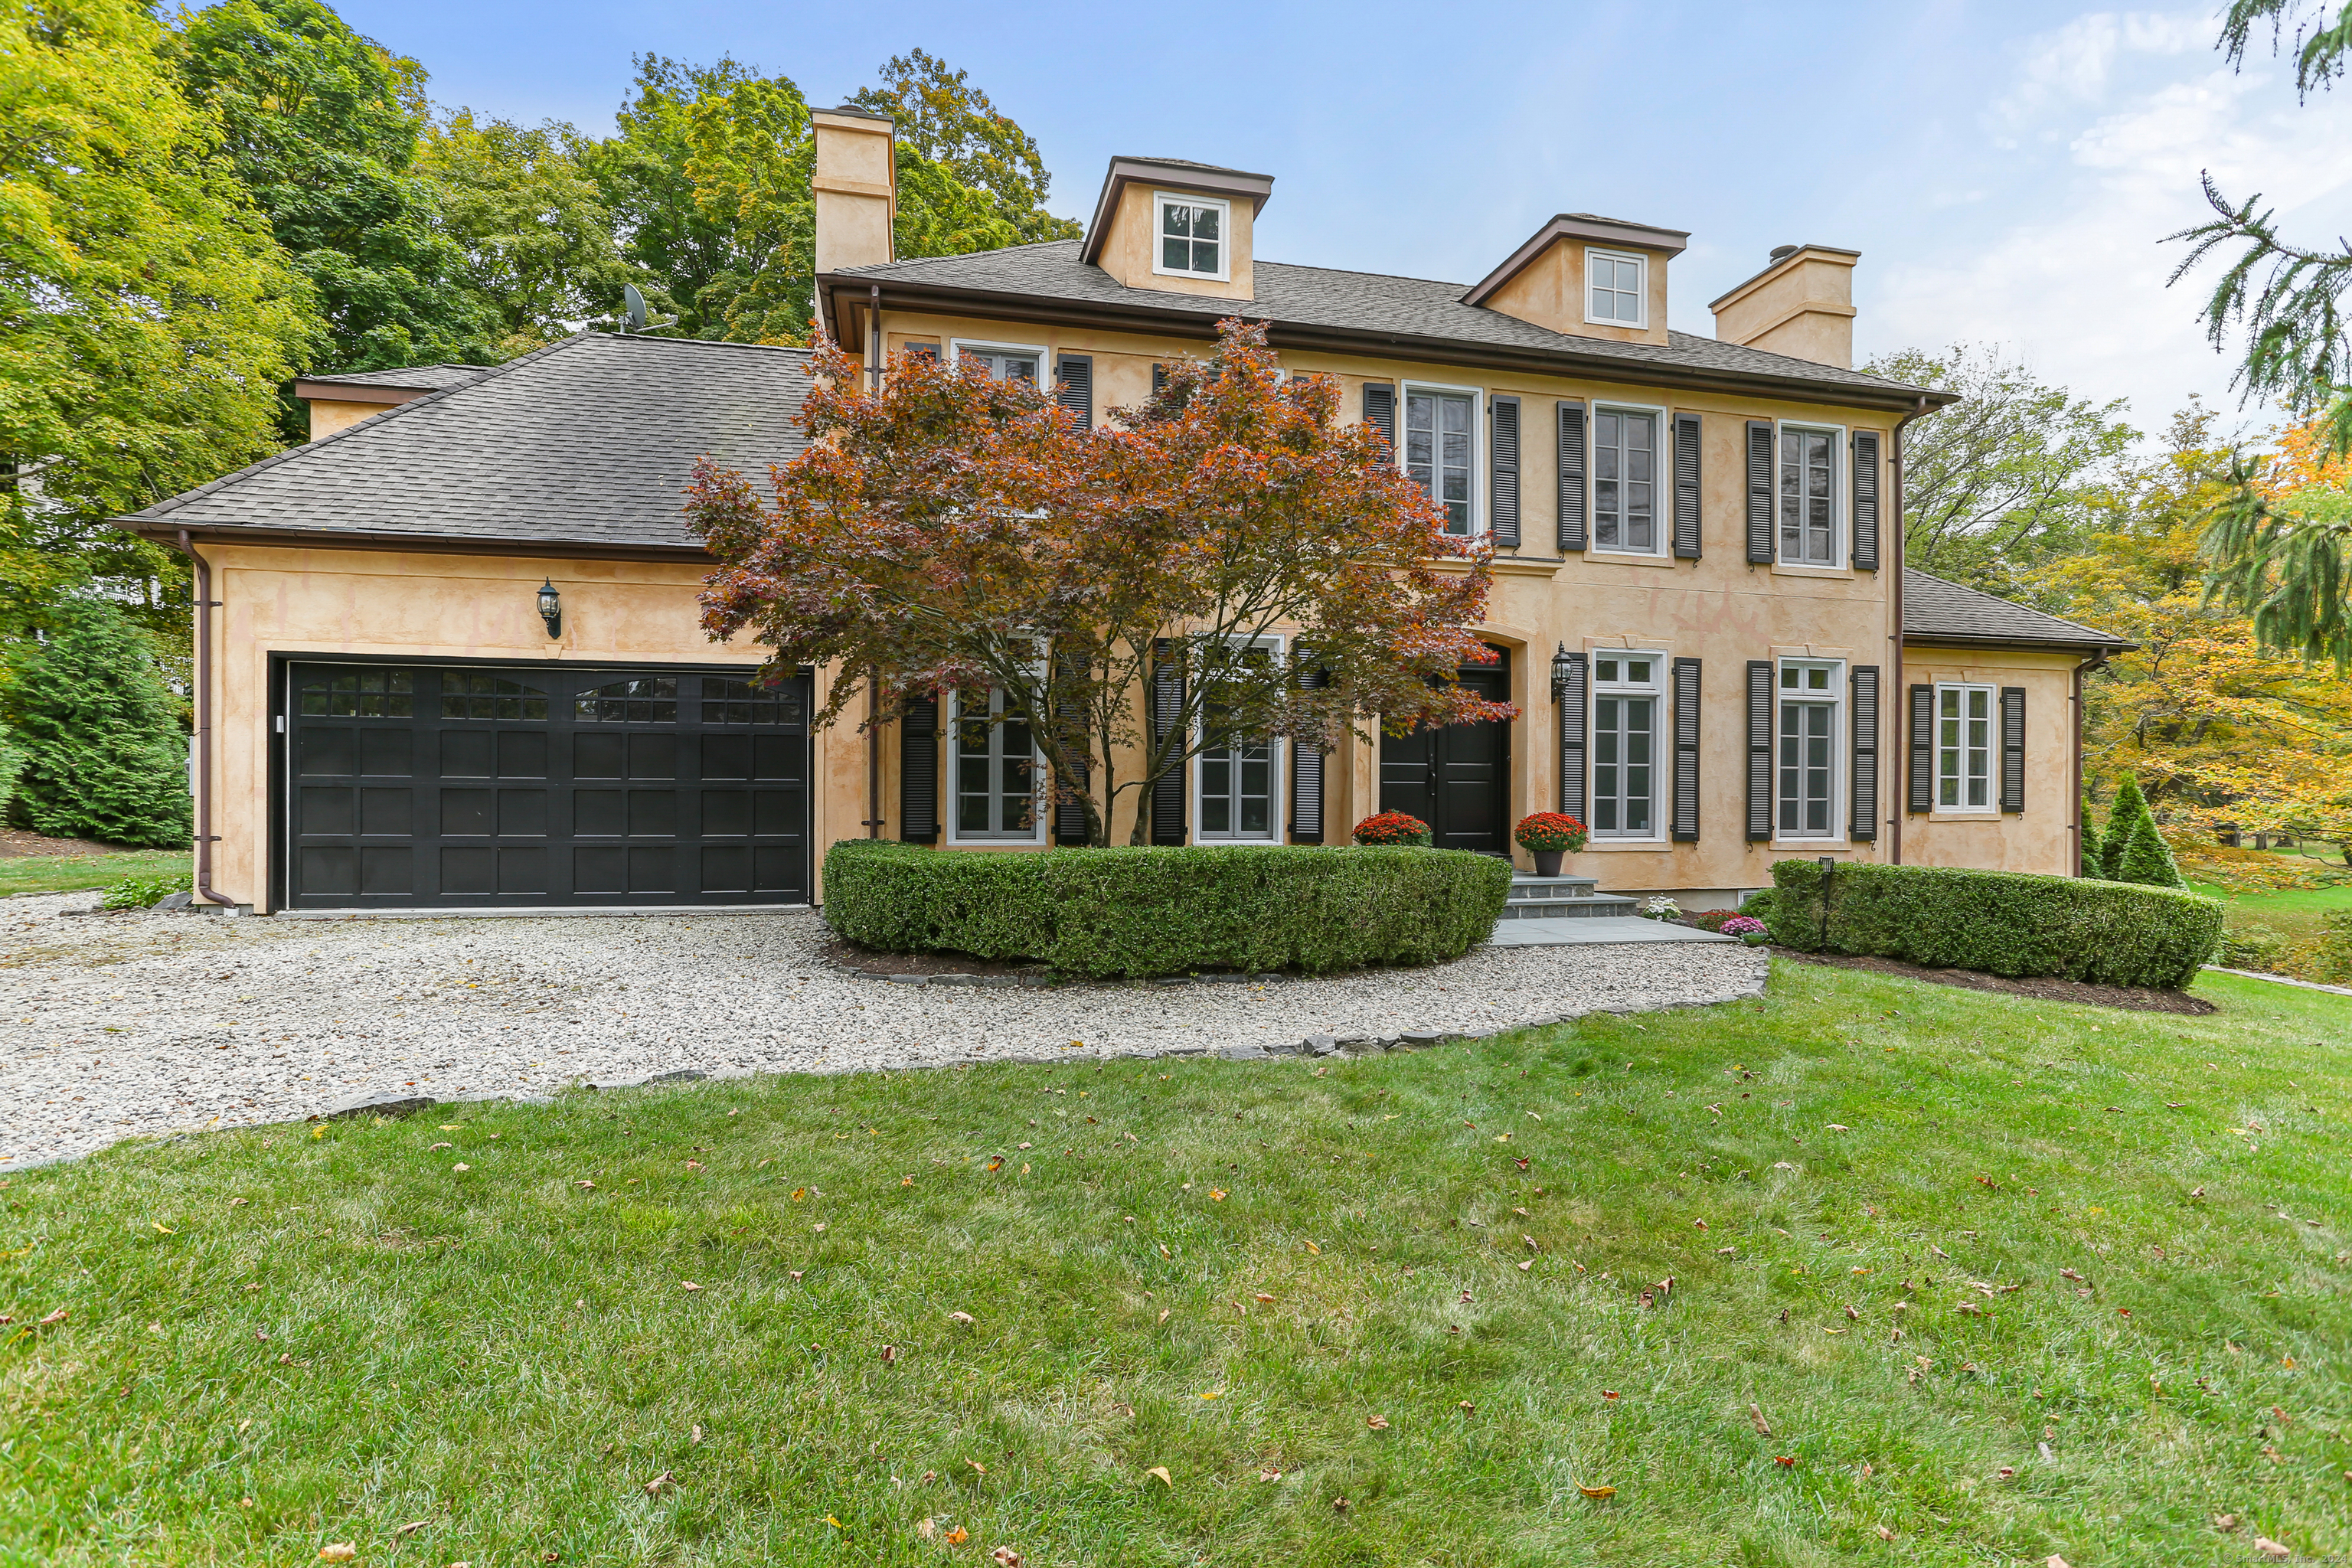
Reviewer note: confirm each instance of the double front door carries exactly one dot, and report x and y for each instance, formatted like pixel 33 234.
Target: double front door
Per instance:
pixel 1456 778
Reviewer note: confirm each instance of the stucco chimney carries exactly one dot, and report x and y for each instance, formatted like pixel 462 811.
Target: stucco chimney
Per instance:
pixel 855 187
pixel 1801 305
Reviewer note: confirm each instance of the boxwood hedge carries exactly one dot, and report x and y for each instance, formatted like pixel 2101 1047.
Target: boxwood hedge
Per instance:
pixel 1136 913
pixel 2003 922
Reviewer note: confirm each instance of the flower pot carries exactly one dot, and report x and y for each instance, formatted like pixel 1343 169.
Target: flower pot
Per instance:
pixel 1546 861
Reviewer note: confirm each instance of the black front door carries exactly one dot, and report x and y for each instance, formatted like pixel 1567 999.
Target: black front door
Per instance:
pixel 1457 778
pixel 541 785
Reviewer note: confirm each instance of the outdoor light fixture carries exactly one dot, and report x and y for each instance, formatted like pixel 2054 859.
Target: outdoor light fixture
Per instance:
pixel 550 608
pixel 1563 671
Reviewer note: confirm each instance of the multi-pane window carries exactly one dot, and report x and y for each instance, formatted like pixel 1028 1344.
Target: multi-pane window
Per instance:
pixel 652 699
pixel 1002 364
pixel 1237 786
pixel 727 700
pixel 1192 238
pixel 1616 288
pixel 1624 746
pixel 1808 496
pixel 1964 748
pixel 1437 455
pixel 1808 761
pixel 466 694
pixel 995 769
pixel 361 694
pixel 1624 480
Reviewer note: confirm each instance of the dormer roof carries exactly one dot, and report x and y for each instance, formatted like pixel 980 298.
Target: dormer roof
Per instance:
pixel 1591 228
pixel 1168 174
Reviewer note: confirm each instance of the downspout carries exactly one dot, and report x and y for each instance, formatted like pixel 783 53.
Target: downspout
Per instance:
pixel 1901 705
pixel 204 684
pixel 873 700
pixel 2074 810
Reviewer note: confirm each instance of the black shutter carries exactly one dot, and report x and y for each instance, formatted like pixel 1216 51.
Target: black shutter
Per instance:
pixel 1306 767
pixel 1760 750
pixel 1380 413
pixel 1158 379
pixel 1571 481
pixel 919 771
pixel 1069 811
pixel 1075 373
pixel 1686 809
pixel 1686 530
pixel 1504 453
pixel 1568 697
pixel 1923 748
pixel 1864 829
pixel 1759 492
pixel 1865 501
pixel 1166 711
pixel 2012 748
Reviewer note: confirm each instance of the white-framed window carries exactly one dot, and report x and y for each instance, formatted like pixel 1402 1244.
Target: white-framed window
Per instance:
pixel 1440 450
pixel 1811 482
pixel 1004 362
pixel 1616 288
pixel 1625 457
pixel 996 775
pixel 1237 776
pixel 1964 748
pixel 1627 697
pixel 1805 791
pixel 1190 236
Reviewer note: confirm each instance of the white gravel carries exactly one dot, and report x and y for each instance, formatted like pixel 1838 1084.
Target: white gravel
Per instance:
pixel 119 1024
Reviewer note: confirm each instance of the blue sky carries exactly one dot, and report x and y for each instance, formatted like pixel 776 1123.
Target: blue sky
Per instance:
pixel 2007 170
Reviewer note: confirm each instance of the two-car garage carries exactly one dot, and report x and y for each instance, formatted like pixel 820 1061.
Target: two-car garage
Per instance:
pixel 416 784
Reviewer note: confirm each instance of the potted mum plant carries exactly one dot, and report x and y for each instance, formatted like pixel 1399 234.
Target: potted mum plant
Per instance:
pixel 1393 828
pixel 1547 836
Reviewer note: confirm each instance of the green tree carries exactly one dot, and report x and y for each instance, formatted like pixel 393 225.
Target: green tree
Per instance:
pixel 2289 568
pixel 952 124
pixel 2147 858
pixel 533 229
pixel 322 125
pixel 146 315
pixel 105 757
pixel 1994 484
pixel 2129 810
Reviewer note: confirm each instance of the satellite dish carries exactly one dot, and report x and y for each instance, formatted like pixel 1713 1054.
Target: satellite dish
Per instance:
pixel 635 304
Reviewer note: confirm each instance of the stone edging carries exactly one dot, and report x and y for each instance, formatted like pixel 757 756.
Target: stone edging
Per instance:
pixel 2281 980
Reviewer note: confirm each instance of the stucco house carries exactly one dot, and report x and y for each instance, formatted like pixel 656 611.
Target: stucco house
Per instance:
pixel 449 653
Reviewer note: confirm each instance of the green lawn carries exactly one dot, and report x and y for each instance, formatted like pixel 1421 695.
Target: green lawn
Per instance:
pixel 67 873
pixel 287 1338
pixel 2295 914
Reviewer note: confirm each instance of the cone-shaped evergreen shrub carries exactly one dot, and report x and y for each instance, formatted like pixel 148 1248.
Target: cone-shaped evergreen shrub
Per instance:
pixel 104 754
pixel 2147 858
pixel 2129 809
pixel 2091 864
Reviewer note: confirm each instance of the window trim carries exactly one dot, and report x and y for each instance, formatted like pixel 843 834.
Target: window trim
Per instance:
pixel 1161 201
pixel 1041 813
pixel 1835 697
pixel 1642 291
pixel 1841 526
pixel 1044 378
pixel 1477 395
pixel 1278 763
pixel 1661 724
pixel 1992 750
pixel 1662 459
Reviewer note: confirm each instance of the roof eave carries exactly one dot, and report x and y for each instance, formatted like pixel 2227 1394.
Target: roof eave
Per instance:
pixel 165 531
pixel 2044 645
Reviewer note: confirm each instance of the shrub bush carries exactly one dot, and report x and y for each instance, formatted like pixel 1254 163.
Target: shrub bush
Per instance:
pixel 2251 946
pixel 1128 913
pixel 142 892
pixel 2327 957
pixel 104 754
pixel 2003 922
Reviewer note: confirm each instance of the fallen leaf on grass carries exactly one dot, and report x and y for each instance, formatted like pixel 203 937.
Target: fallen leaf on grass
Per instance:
pixel 929 1529
pixel 60 1316
pixel 1599 1494
pixel 1756 1419
pixel 1005 1557
pixel 1529 1264
pixel 2272 1549
pixel 1315 1249
pixel 1786 1461
pixel 1262 1296
pixel 1377 1423
pixel 587 1186
pixel 957 1536
pixel 1216 1195
pixel 408 1530
pixel 1162 1472
pixel 338 1551
pixel 966 1319
pixel 1883 1533
pixel 1611 1394
pixel 1269 1475
pixel 660 1484
pixel 976 1465
pixel 688 1285
pixel 1339 1503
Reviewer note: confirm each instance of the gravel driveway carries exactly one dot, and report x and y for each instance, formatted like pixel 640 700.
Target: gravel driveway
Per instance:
pixel 118 1025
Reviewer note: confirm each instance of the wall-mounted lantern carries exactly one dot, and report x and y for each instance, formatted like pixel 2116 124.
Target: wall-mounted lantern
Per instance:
pixel 550 608
pixel 1563 673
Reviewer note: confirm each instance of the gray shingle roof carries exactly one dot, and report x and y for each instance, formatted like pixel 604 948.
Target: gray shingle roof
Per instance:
pixel 1935 611
pixel 430 377
pixel 1371 302
pixel 587 441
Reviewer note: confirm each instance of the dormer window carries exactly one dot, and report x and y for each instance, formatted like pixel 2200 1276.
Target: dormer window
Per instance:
pixel 1191 231
pixel 1617 289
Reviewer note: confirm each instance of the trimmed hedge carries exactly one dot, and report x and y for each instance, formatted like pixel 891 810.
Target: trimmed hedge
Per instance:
pixel 2003 922
pixel 1129 913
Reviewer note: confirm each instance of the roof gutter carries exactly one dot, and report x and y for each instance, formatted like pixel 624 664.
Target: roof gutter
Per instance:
pixel 835 288
pixel 1900 795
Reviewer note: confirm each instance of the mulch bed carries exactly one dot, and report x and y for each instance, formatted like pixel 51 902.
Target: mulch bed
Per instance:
pixel 15 841
pixel 2133 998
pixel 873 960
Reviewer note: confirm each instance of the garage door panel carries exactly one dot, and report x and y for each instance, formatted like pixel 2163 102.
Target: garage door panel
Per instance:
pixel 491 787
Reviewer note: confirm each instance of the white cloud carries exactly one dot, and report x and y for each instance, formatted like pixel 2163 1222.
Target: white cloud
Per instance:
pixel 2106 128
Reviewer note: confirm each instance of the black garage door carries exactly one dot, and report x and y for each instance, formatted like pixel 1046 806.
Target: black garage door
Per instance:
pixel 471 785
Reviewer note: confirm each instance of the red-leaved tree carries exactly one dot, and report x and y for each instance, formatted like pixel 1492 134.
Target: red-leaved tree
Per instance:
pixel 950 532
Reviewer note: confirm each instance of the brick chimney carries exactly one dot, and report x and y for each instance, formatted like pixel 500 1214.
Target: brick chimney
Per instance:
pixel 1801 305
pixel 856 187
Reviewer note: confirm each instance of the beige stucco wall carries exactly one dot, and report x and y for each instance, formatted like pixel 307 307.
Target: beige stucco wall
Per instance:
pixel 855 189
pixel 1549 291
pixel 1802 307
pixel 328 415
pixel 1129 248
pixel 2042 838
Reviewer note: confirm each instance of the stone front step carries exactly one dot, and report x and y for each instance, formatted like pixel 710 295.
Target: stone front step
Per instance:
pixel 1526 886
pixel 1583 906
